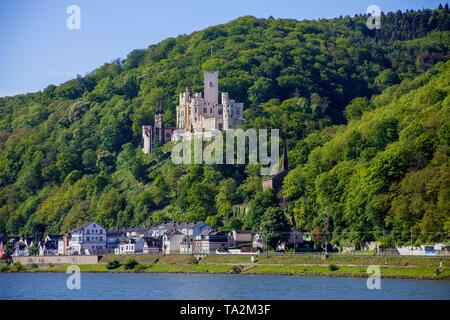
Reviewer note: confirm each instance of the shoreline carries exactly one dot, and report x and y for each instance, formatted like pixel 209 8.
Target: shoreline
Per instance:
pixel 346 272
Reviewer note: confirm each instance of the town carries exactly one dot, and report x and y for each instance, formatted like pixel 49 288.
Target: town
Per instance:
pixel 167 238
pixel 196 238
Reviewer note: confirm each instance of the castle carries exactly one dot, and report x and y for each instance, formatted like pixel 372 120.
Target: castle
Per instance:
pixel 196 114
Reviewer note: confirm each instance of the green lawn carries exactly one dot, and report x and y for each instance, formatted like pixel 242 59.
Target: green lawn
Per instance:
pixel 424 267
pixel 332 259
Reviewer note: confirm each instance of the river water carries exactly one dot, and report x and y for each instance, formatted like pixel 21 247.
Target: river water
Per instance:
pixel 123 286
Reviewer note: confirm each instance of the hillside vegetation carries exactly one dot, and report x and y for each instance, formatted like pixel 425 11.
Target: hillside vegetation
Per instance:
pixel 365 114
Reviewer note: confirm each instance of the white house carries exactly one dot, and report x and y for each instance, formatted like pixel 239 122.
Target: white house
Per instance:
pixel 88 236
pixel 172 242
pixel 145 245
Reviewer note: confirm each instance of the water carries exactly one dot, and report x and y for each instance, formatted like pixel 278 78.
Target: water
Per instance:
pixel 123 286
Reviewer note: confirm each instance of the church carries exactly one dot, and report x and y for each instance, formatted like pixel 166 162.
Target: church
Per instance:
pixel 196 113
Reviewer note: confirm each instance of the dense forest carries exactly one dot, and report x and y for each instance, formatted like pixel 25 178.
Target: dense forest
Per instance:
pixel 365 114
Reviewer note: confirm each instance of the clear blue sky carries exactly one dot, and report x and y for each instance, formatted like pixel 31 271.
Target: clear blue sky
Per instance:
pixel 37 49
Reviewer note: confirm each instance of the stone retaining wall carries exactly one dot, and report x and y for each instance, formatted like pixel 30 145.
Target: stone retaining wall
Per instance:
pixel 44 260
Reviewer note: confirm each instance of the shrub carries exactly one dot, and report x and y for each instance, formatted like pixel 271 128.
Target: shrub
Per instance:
pixel 113 264
pixel 130 264
pixel 50 265
pixel 34 265
pixel 4 268
pixel 333 267
pixel 140 267
pixel 17 266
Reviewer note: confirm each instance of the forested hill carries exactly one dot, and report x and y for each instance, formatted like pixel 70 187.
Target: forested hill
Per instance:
pixel 71 153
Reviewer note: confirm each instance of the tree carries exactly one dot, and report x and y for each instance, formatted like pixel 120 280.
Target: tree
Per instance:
pixel 275 229
pixel 261 91
pixel 263 201
pixel 34 248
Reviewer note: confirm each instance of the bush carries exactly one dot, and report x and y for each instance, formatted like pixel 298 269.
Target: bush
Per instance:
pixel 51 265
pixel 17 266
pixel 4 268
pixel 140 267
pixel 34 265
pixel 333 267
pixel 113 264
pixel 130 264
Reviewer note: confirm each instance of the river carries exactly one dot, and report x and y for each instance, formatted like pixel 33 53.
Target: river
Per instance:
pixel 122 286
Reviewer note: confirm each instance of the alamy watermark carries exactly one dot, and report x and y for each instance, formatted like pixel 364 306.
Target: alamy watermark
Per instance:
pixel 190 149
pixel 374 280
pixel 374 21
pixel 74 280
pixel 74 20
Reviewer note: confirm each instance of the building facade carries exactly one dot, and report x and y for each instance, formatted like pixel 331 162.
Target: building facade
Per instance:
pixel 89 236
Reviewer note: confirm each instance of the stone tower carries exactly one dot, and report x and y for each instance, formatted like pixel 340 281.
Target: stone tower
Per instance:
pixel 226 111
pixel 211 86
pixel 159 124
pixel 147 136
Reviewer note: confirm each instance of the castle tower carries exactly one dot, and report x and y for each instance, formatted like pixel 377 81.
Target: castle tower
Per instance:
pixel 147 136
pixel 211 86
pixel 226 111
pixel 159 123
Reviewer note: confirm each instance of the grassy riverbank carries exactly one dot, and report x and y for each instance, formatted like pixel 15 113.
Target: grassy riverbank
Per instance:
pixel 308 265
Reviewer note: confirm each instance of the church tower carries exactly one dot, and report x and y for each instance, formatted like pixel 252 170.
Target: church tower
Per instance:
pixel 211 86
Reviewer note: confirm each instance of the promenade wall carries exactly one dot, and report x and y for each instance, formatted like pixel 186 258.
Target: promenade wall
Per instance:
pixel 44 260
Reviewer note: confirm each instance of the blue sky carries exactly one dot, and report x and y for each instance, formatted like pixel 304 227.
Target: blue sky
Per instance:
pixel 37 49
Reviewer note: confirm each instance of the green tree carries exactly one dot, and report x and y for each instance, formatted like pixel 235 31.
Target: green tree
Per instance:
pixel 275 229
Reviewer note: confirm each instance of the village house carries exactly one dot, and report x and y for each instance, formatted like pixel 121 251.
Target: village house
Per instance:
pixel 295 241
pixel 188 228
pixel 113 239
pixel 209 241
pixel 186 245
pixel 151 245
pixel 145 245
pixel 238 237
pixel 89 236
pixel 50 245
pixel 171 242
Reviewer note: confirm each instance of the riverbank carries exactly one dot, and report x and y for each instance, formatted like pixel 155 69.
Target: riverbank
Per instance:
pixel 303 265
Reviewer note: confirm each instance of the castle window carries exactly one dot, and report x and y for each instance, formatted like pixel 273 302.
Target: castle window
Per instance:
pixel 210 84
pixel 237 111
pixel 220 126
pixel 210 110
pixel 195 109
pixel 205 110
pixel 220 111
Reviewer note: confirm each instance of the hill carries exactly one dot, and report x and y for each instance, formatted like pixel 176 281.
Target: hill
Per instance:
pixel 71 152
